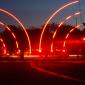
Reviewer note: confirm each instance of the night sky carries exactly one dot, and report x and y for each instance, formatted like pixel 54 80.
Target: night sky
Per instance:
pixel 36 12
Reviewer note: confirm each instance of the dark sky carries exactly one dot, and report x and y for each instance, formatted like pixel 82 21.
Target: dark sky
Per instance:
pixel 36 12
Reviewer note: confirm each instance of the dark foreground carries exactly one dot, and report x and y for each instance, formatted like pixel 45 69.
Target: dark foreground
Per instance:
pixel 32 73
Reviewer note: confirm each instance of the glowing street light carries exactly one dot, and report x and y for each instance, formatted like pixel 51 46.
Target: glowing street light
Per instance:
pixel 83 38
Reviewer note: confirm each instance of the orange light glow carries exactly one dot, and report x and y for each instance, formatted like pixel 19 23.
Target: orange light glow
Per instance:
pixel 63 51
pixel 4 46
pixel 40 50
pixel 75 55
pixel 51 47
pixel 84 38
pixel 18 52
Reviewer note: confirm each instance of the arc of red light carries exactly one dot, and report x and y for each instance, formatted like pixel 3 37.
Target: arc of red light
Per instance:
pixel 67 36
pixel 55 13
pixel 4 46
pixel 13 35
pixel 20 23
pixel 53 73
pixel 61 23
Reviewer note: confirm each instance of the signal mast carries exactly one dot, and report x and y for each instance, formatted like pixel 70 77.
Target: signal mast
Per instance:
pixel 81 15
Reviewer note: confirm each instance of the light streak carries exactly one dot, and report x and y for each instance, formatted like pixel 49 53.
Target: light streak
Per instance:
pixel 67 36
pixel 13 35
pixel 75 55
pixel 57 75
pixel 50 18
pixel 61 23
pixel 20 23
pixel 4 46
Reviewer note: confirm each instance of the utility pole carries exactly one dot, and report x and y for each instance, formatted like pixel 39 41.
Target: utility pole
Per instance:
pixel 80 9
pixel 76 21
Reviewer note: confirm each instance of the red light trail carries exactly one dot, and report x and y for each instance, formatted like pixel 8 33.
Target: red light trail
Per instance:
pixel 67 36
pixel 13 35
pixel 58 75
pixel 3 46
pixel 20 23
pixel 83 38
pixel 50 18
pixel 61 23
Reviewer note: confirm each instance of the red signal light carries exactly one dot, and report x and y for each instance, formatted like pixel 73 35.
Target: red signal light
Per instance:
pixel 83 39
pixel 40 50
pixel 63 50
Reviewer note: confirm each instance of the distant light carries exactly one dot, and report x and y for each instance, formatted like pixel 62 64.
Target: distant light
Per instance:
pixel 18 51
pixel 32 56
pixel 7 54
pixel 51 50
pixel 14 56
pixel 40 50
pixel 63 51
pixel 84 38
pixel 75 55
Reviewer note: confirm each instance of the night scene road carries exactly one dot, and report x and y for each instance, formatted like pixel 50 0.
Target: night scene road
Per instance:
pixel 42 72
pixel 42 42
